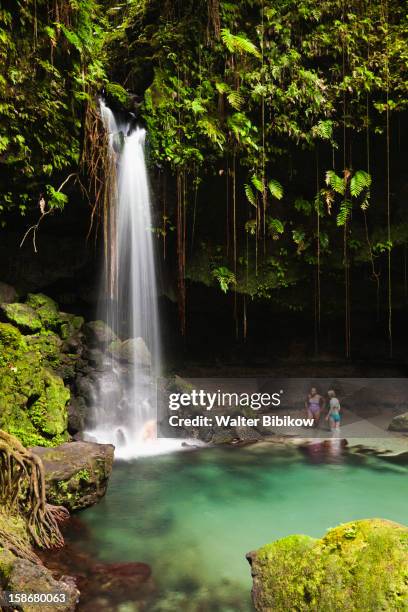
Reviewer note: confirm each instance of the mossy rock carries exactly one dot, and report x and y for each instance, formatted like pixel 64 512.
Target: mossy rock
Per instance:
pixel 33 399
pixel 70 325
pixel 48 413
pixel 356 567
pixel 23 316
pixel 77 473
pixel 49 344
pixel 46 309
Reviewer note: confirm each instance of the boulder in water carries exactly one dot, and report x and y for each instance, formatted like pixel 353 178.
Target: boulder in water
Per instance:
pixel 98 333
pixel 399 423
pixel 356 566
pixel 133 350
pixel 76 473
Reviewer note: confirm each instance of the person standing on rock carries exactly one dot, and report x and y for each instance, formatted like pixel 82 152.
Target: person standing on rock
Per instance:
pixel 313 404
pixel 333 416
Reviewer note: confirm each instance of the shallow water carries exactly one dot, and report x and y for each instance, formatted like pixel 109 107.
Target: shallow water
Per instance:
pixel 193 516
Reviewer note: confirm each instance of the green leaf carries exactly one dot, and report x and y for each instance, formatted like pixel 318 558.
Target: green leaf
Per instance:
pixel 238 44
pixel 235 99
pixel 197 107
pixel 276 189
pixel 335 182
pixel 250 195
pixel 344 212
pixel 225 277
pixel 360 181
pixel 56 199
pixel 275 226
pixel 324 129
pixel 257 183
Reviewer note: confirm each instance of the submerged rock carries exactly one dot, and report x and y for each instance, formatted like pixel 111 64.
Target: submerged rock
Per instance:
pixel 399 423
pixel 76 473
pixel 356 566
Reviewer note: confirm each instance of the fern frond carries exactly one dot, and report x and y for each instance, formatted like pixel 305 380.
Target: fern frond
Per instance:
pixel 238 44
pixel 335 182
pixel 222 88
pixel 276 189
pixel 275 226
pixel 324 129
pixel 235 99
pixel 250 195
pixel 344 212
pixel 360 181
pixel 257 183
pixel 212 131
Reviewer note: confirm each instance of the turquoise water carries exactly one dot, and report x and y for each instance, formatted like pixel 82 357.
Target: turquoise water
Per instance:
pixel 192 516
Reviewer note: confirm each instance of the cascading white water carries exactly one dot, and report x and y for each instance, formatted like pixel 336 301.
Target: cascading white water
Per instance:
pixel 124 404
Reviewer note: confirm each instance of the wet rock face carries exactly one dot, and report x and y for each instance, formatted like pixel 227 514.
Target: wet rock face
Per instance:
pixel 399 423
pixel 357 566
pixel 132 350
pixel 76 473
pixel 98 334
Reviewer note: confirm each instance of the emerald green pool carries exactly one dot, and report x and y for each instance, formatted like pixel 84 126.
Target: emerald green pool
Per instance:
pixel 193 515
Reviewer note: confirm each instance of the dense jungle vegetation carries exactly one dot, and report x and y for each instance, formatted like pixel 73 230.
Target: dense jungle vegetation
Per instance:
pixel 275 140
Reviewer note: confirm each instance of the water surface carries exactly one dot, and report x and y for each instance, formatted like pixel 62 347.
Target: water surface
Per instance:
pixel 193 516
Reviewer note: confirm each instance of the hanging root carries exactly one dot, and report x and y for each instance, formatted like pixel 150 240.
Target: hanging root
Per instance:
pixel 22 492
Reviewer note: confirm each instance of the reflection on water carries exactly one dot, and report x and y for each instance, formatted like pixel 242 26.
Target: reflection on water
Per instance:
pixel 192 517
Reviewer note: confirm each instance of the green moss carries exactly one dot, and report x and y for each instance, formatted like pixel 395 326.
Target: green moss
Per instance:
pixel 12 529
pixel 48 412
pixel 69 492
pixel 46 309
pixel 10 337
pixel 70 325
pixel 23 316
pixel 32 399
pixel 356 567
pixel 49 345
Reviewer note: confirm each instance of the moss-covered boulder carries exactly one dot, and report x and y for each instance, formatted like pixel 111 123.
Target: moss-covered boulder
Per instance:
pixel 23 316
pixel 33 399
pixel 70 325
pixel 76 474
pixel 356 567
pixel 46 309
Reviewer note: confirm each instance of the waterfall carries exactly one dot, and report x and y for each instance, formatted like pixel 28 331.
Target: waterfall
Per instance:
pixel 124 410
